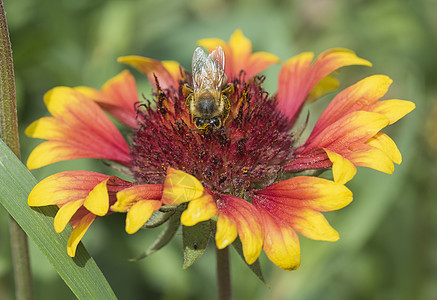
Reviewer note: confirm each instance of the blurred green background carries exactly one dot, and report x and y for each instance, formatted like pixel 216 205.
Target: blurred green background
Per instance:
pixel 388 245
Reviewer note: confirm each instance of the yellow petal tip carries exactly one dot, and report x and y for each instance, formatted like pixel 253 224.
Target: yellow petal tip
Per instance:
pixel 97 201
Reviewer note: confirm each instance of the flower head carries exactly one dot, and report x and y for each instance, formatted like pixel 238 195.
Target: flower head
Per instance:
pixel 241 175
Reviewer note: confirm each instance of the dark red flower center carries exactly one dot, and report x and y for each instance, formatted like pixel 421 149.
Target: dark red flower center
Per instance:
pixel 246 154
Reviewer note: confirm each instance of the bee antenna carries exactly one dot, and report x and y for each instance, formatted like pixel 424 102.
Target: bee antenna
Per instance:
pixel 222 129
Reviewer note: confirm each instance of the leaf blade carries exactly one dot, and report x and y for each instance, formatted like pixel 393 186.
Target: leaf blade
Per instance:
pixel 81 274
pixel 255 267
pixel 194 241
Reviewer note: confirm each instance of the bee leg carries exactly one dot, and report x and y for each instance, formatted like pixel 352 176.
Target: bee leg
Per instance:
pixel 187 90
pixel 226 108
pixel 188 101
pixel 228 89
pixel 188 93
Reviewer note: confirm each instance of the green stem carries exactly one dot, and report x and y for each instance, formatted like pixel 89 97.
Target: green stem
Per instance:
pixel 8 108
pixel 9 134
pixel 21 261
pixel 223 274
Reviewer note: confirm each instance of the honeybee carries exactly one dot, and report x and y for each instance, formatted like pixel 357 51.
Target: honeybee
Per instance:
pixel 207 100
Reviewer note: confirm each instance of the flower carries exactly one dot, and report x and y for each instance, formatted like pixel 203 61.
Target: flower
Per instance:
pixel 243 177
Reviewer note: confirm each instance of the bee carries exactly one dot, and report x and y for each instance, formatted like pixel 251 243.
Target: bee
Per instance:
pixel 207 100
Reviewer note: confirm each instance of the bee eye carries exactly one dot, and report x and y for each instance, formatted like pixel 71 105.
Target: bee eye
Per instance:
pixel 215 122
pixel 199 122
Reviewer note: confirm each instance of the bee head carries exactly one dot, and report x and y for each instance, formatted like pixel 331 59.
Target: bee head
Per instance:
pixel 214 123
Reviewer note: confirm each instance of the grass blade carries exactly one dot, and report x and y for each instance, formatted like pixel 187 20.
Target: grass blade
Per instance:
pixel 81 273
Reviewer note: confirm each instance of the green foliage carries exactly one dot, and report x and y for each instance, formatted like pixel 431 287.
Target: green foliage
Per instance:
pixel 255 267
pixel 170 228
pixel 195 239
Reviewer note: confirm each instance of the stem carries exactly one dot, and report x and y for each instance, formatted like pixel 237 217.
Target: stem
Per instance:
pixel 21 261
pixel 223 274
pixel 9 134
pixel 8 108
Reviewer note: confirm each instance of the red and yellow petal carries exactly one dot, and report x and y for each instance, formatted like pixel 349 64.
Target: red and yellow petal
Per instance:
pixel 167 72
pixel 78 232
pixel 139 213
pixel 350 138
pixel 180 187
pixel 358 97
pixel 47 128
pixel 281 243
pixel 97 200
pixel 73 191
pixel 239 56
pixel 357 138
pixel 343 169
pixel 297 202
pixel 313 225
pixel 393 109
pixel 354 128
pixel 65 213
pixel 354 140
pixel 81 196
pixel 314 158
pixel 294 84
pixel 118 96
pixel 79 129
pixel 242 57
pixel 371 157
pixel 199 210
pixel 303 192
pixel 140 202
pixel 350 127
pixel 259 61
pixel 212 43
pixel 129 196
pixel 173 68
pixel 64 187
pixel 234 211
pixel 298 76
pixel 384 143
pixel 226 231
pixel 241 48
pixel 51 152
pixel 326 85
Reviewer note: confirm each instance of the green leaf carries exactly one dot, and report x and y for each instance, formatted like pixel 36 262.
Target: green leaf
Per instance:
pixel 159 217
pixel 255 267
pixel 81 273
pixel 195 239
pixel 165 236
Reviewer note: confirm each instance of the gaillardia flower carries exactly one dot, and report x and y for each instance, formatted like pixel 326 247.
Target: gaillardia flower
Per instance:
pixel 237 166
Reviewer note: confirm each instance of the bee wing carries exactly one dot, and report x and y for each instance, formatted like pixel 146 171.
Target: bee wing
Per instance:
pixel 218 58
pixel 208 70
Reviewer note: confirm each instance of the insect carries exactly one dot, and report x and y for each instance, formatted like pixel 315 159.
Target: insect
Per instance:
pixel 208 100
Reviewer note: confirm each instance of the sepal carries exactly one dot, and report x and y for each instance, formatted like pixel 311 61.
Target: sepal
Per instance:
pixel 255 267
pixel 158 218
